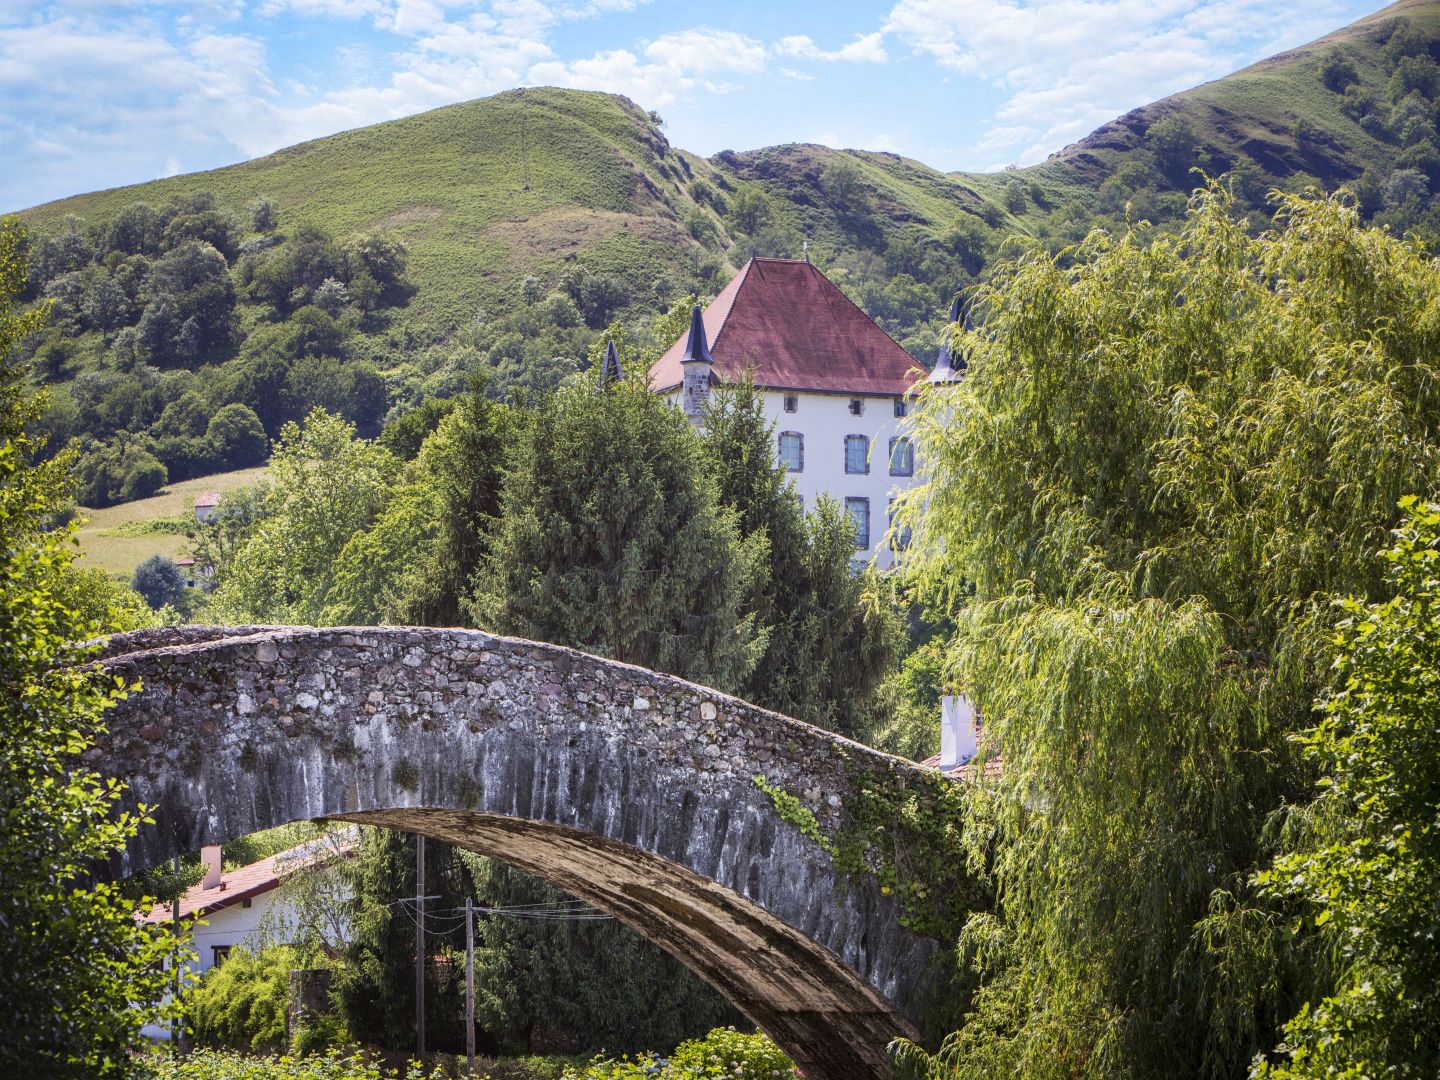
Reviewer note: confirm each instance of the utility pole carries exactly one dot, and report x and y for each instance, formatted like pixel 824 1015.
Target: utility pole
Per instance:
pixel 177 1022
pixel 469 987
pixel 420 946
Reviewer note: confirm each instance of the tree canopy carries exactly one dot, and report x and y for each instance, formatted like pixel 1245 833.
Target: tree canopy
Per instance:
pixel 1170 456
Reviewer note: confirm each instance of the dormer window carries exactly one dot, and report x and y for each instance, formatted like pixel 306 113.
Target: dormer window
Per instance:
pixel 792 402
pixel 857 406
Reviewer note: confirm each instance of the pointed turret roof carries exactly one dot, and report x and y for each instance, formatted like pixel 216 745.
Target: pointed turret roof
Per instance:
pixel 610 365
pixel 697 348
pixel 789 323
pixel 945 369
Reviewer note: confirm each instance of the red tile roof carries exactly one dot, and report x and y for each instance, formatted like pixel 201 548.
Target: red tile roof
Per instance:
pixel 967 770
pixel 254 880
pixel 208 498
pixel 799 331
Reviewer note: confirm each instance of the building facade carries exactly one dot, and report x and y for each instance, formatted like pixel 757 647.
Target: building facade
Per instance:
pixel 837 388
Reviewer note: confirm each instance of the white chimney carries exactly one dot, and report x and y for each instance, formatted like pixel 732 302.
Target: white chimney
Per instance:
pixel 957 731
pixel 210 858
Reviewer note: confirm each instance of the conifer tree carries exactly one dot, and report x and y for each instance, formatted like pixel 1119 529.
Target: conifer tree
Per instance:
pixel 612 540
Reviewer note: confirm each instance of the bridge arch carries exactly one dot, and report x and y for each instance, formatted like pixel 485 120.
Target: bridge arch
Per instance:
pixel 630 789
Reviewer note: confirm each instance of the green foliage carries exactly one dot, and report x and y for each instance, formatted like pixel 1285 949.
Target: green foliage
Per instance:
pixel 375 988
pixel 606 496
pixel 577 984
pixel 78 975
pixel 1167 458
pixel 159 581
pixel 328 485
pixel 332 1065
pixel 242 1003
pixel 724 1052
pixel 1365 859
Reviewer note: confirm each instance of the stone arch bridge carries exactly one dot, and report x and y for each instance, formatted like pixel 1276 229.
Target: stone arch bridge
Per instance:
pixel 628 788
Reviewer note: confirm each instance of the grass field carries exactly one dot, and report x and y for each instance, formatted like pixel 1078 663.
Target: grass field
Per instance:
pixel 111 541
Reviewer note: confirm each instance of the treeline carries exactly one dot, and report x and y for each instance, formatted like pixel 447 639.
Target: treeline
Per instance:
pixel 181 339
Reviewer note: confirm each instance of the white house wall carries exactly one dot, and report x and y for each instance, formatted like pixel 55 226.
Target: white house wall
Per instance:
pixel 824 420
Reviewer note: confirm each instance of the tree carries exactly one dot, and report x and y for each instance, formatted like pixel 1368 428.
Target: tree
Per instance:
pixel 1337 71
pixel 1174 145
pixel 543 983
pixel 327 486
pixel 1141 556
pixel 1367 863
pixel 78 975
pixel 841 182
pixel 235 438
pixel 264 215
pixel 376 987
pixel 611 540
pixel 159 581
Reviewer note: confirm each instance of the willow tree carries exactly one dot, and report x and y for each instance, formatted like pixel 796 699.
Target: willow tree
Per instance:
pixel 1169 456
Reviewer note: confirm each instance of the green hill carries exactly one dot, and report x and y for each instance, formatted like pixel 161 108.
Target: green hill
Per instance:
pixel 483 193
pixel 532 219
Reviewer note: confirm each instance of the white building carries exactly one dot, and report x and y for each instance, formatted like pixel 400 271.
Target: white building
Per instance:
pixel 226 910
pixel 836 386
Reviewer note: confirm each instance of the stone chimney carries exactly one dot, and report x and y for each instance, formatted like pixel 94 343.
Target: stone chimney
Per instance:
pixel 959 732
pixel 696 367
pixel 210 858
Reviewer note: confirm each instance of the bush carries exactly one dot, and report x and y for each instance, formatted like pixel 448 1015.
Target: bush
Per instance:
pixel 724 1052
pixel 335 1065
pixel 242 1004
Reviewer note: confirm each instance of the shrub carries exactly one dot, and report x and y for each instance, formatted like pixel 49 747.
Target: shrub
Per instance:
pixel 242 1003
pixel 724 1052
pixel 335 1065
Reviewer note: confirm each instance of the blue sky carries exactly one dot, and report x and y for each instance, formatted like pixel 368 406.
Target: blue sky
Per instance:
pixel 98 93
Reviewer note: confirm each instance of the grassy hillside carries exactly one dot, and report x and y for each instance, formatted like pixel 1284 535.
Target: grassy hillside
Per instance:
pixel 534 218
pixel 119 538
pixel 482 193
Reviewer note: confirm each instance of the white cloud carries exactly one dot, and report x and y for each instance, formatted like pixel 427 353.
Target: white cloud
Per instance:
pixel 866 48
pixel 671 65
pixel 1070 65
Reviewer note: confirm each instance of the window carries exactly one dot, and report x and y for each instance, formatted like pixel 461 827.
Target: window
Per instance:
pixel 220 953
pixel 792 402
pixel 857 454
pixel 902 457
pixel 859 511
pixel 902 407
pixel 857 407
pixel 792 451
pixel 901 540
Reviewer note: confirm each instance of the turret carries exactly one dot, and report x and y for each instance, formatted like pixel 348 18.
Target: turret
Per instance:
pixel 610 366
pixel 695 365
pixel 945 369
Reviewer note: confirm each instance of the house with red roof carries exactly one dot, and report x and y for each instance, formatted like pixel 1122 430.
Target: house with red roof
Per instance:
pixel 837 387
pixel 228 908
